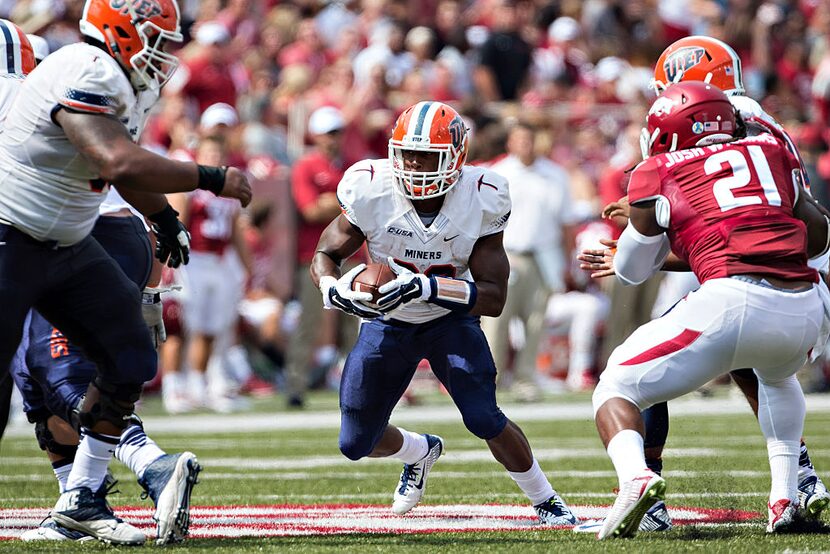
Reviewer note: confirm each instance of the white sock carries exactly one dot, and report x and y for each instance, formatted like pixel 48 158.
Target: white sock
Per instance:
pixel 783 463
pixel 198 387
pixel 137 451
pixel 413 449
pixel 533 483
pixel 626 452
pixel 62 473
pixel 94 454
pixel 171 385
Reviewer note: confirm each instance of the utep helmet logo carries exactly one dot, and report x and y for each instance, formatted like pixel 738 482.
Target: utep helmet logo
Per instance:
pixel 145 9
pixel 662 106
pixel 457 130
pixel 682 60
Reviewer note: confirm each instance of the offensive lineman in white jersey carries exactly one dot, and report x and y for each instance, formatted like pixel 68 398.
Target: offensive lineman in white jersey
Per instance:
pixel 69 133
pixel 701 58
pixel 13 69
pixel 439 224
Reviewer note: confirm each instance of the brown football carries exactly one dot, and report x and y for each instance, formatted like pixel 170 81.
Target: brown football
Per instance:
pixel 372 278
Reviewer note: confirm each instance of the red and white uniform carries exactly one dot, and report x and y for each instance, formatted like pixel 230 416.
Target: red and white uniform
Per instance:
pixel 728 211
pixel 730 208
pixel 212 294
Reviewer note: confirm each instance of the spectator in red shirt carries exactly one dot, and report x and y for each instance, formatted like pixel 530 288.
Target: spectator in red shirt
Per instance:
pixel 206 77
pixel 308 49
pixel 314 182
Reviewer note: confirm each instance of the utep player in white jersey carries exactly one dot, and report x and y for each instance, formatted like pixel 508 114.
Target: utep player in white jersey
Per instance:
pixel 700 58
pixel 439 224
pixel 13 69
pixel 69 133
pixel 53 376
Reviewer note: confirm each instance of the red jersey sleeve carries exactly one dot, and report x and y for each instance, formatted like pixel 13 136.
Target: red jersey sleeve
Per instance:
pixel 612 185
pixel 645 182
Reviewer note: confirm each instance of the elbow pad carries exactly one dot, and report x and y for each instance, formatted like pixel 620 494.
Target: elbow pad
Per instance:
pixel 639 256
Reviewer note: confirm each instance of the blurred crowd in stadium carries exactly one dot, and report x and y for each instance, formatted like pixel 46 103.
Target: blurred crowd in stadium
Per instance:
pixel 555 94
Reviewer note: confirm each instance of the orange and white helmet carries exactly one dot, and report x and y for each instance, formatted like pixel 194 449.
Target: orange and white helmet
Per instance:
pixel 428 127
pixel 20 56
pixel 135 33
pixel 699 58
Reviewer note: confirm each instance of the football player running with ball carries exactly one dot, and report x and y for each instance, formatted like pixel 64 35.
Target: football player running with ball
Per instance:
pixel 734 211
pixel 70 132
pixel 439 225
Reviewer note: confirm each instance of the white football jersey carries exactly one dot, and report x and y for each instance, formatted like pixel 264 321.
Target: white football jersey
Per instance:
pixel 9 86
pixel 47 189
pixel 478 205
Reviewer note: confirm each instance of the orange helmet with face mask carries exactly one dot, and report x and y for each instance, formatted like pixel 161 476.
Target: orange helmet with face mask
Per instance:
pixel 699 58
pixel 428 127
pixel 135 33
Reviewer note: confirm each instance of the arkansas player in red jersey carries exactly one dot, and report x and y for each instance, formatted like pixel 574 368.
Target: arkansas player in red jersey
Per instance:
pixel 214 285
pixel 731 209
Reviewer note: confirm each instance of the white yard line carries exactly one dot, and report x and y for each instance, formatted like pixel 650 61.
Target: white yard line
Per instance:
pixel 206 424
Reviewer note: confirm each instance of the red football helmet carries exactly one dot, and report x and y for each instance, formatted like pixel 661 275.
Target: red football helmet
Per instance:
pixel 686 115
pixel 699 58
pixel 428 127
pixel 20 56
pixel 135 33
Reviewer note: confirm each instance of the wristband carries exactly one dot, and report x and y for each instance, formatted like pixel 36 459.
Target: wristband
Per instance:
pixel 165 218
pixel 457 295
pixel 212 178
pixel 150 297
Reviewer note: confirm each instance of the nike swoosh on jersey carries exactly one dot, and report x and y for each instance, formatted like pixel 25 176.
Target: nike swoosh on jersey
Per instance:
pixel 448 239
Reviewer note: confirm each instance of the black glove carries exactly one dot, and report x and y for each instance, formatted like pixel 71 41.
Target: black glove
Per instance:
pixel 172 238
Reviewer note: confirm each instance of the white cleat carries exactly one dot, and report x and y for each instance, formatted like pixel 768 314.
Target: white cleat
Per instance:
pixel 81 510
pixel 813 497
pixel 169 482
pixel 657 519
pixel 50 530
pixel 413 481
pixel 782 514
pixel 633 501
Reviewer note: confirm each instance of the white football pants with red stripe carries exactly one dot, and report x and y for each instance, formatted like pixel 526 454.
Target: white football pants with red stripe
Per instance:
pixel 726 324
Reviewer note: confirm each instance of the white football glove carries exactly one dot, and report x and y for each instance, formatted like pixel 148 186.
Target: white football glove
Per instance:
pixel 338 293
pixel 405 288
pixel 152 310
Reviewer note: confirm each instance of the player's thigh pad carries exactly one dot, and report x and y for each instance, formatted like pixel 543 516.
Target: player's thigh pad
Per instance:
pixel 375 376
pixel 127 242
pixel 99 309
pixel 24 267
pixel 779 330
pixel 460 357
pixel 677 353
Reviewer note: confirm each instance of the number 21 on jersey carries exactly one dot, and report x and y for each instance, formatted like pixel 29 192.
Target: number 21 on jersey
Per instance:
pixel 724 188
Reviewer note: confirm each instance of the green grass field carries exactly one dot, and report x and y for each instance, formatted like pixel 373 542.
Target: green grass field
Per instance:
pixel 714 461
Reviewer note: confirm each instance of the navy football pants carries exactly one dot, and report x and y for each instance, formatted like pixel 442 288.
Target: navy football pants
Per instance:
pixel 83 292
pixel 383 361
